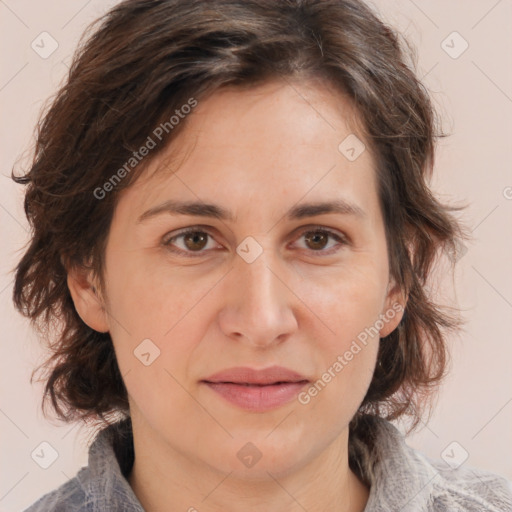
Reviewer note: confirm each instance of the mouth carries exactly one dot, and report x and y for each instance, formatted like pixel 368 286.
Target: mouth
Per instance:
pixel 257 390
pixel 252 384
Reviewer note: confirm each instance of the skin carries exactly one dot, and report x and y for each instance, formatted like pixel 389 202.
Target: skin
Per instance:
pixel 256 153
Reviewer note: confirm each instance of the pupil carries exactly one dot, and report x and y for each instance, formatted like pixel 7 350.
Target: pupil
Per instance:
pixel 314 238
pixel 194 238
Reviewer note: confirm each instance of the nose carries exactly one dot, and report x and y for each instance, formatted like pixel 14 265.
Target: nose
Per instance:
pixel 259 306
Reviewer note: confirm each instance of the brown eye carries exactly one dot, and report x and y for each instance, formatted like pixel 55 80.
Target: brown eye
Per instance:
pixel 191 242
pixel 195 240
pixel 317 240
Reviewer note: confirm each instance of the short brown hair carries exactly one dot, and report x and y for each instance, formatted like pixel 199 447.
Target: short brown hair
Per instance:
pixel 143 62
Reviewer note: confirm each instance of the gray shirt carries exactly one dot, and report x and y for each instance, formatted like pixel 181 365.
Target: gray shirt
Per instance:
pixel 402 479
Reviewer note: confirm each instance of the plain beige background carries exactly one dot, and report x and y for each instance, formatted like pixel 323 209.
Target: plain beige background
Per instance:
pixel 472 90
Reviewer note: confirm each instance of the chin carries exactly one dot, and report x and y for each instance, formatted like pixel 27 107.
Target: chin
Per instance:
pixel 254 460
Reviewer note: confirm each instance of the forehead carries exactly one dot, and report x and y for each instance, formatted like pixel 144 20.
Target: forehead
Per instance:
pixel 280 139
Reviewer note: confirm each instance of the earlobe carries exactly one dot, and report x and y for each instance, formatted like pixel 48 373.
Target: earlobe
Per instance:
pixel 88 302
pixel 394 309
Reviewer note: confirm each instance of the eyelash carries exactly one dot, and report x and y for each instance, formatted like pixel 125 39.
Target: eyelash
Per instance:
pixel 198 229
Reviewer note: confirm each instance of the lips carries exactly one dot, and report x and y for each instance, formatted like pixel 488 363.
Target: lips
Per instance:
pixel 248 376
pixel 257 390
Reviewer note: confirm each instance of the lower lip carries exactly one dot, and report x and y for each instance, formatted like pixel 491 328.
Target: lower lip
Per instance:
pixel 257 398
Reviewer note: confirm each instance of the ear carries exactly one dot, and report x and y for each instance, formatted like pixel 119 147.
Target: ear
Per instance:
pixel 394 308
pixel 87 299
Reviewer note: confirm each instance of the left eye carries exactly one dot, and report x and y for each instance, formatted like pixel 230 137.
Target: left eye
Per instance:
pixel 320 236
pixel 195 240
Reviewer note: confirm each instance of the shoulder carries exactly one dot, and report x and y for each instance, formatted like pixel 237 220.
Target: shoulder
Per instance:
pixel 469 489
pixel 101 485
pixel 403 478
pixel 69 497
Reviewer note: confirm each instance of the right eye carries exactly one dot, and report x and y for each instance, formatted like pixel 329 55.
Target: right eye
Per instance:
pixel 193 241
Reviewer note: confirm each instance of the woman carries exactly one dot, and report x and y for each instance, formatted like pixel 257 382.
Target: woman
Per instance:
pixel 233 229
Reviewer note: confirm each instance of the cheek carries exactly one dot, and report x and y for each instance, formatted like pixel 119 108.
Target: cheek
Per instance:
pixel 346 340
pixel 154 322
pixel 345 302
pixel 148 299
pixel 345 360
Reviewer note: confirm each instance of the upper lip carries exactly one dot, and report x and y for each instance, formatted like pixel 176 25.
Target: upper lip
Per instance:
pixel 247 375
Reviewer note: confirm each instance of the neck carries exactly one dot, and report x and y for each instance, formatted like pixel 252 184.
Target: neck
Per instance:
pixel 166 479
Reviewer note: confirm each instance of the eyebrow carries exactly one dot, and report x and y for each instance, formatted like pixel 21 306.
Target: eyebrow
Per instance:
pixel 297 212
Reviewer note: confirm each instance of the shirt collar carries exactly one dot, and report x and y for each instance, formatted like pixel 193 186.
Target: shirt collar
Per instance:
pixel 400 478
pixel 111 457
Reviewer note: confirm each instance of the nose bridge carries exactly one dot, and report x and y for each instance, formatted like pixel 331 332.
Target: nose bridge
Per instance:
pixel 260 282
pixel 259 310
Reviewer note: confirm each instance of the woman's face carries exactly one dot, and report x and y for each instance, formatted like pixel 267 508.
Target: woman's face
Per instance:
pixel 267 283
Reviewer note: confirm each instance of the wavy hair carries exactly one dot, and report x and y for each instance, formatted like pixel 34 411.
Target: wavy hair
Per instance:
pixel 144 60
